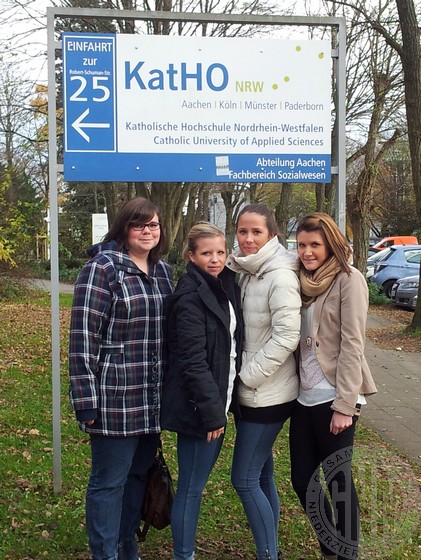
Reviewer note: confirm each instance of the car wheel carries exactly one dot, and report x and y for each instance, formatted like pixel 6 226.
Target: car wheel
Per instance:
pixel 387 288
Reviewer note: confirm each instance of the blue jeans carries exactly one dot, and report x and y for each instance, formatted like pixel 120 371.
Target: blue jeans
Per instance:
pixel 253 478
pixel 196 458
pixel 115 493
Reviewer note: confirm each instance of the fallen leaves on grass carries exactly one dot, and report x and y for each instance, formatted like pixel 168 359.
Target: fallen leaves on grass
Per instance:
pixel 391 334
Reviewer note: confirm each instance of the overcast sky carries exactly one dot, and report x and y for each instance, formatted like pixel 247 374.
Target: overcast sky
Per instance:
pixel 23 34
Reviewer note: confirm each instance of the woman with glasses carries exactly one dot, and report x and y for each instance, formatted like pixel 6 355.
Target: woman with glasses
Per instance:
pixel 204 346
pixel 115 366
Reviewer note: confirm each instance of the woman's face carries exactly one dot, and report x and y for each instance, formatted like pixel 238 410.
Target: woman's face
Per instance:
pixel 312 249
pixel 210 254
pixel 141 241
pixel 252 233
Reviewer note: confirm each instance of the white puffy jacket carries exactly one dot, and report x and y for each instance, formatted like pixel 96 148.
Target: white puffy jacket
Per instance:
pixel 271 303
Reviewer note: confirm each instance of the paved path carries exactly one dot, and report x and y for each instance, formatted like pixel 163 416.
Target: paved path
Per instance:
pixel 395 411
pixel 43 284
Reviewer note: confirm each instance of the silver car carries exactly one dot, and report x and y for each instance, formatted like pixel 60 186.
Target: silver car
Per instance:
pixel 404 292
pixel 371 262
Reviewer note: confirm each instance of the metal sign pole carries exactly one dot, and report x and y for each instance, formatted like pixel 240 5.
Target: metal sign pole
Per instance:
pixel 54 258
pixel 341 148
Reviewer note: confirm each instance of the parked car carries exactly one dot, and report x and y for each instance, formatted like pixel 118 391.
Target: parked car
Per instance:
pixel 371 262
pixel 396 262
pixel 404 292
pixel 394 240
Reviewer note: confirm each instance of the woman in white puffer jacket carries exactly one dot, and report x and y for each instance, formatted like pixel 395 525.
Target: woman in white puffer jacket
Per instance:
pixel 268 386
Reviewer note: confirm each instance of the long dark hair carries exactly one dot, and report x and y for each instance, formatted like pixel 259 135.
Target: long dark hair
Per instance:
pixel 335 240
pixel 137 210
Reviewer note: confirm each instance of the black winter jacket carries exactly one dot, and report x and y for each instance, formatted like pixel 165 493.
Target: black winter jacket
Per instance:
pixel 199 341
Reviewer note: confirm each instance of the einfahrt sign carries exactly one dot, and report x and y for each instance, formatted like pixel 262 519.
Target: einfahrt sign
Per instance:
pixel 169 108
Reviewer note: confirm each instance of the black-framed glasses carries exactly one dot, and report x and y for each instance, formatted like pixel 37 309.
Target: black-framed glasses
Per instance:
pixel 152 226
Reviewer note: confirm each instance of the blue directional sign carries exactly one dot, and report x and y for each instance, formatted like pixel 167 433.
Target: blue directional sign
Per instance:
pixel 202 109
pixel 89 93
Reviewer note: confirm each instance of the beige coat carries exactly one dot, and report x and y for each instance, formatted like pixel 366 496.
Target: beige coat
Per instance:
pixel 338 331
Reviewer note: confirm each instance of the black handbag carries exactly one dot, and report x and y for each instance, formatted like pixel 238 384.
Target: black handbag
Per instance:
pixel 159 496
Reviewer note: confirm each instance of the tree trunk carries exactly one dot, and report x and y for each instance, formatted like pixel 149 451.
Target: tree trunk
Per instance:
pixel 363 198
pixel 282 211
pixel 320 197
pixel 170 199
pixel 360 223
pixel 229 203
pixel 411 62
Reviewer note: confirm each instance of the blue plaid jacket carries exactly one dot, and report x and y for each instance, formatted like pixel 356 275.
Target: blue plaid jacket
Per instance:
pixel 116 344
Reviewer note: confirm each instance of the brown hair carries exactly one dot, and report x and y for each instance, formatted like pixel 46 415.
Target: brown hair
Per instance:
pixel 201 230
pixel 335 240
pixel 264 211
pixel 137 210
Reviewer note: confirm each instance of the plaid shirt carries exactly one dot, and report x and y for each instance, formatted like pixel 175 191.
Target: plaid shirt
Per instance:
pixel 116 344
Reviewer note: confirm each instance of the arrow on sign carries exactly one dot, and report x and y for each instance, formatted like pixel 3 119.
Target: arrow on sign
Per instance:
pixel 79 125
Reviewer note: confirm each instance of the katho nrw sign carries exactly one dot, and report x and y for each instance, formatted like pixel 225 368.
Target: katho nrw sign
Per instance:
pixel 164 108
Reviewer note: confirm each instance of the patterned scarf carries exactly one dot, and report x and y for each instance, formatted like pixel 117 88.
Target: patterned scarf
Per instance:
pixel 315 283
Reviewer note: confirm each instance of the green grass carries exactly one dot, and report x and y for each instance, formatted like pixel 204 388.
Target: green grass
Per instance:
pixel 36 524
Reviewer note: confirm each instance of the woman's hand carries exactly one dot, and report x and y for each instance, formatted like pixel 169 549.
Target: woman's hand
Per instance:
pixel 339 422
pixel 215 434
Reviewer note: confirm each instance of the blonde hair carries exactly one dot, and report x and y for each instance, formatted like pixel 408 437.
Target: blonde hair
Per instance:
pixel 337 244
pixel 201 230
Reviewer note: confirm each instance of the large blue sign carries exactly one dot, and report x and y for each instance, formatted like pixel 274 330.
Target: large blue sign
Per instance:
pixel 153 108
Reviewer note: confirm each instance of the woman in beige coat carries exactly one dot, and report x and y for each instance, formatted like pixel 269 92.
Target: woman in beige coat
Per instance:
pixel 334 380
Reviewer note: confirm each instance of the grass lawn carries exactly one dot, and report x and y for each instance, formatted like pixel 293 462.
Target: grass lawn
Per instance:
pixel 35 524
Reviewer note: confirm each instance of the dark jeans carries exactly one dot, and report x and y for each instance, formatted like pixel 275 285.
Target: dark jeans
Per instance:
pixel 115 493
pixel 312 446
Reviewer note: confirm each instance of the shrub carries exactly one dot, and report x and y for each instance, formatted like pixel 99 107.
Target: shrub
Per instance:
pixel 12 286
pixel 178 264
pixel 375 295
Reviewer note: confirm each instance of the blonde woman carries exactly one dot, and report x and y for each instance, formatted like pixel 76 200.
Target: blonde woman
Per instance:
pixel 204 346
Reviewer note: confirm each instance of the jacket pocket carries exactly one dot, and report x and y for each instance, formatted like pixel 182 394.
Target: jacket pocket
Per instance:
pixel 113 370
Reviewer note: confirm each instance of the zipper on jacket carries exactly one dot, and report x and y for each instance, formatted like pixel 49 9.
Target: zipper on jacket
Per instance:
pixel 254 396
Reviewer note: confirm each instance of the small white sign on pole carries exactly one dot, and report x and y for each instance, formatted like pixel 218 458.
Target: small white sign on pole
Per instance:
pixel 99 227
